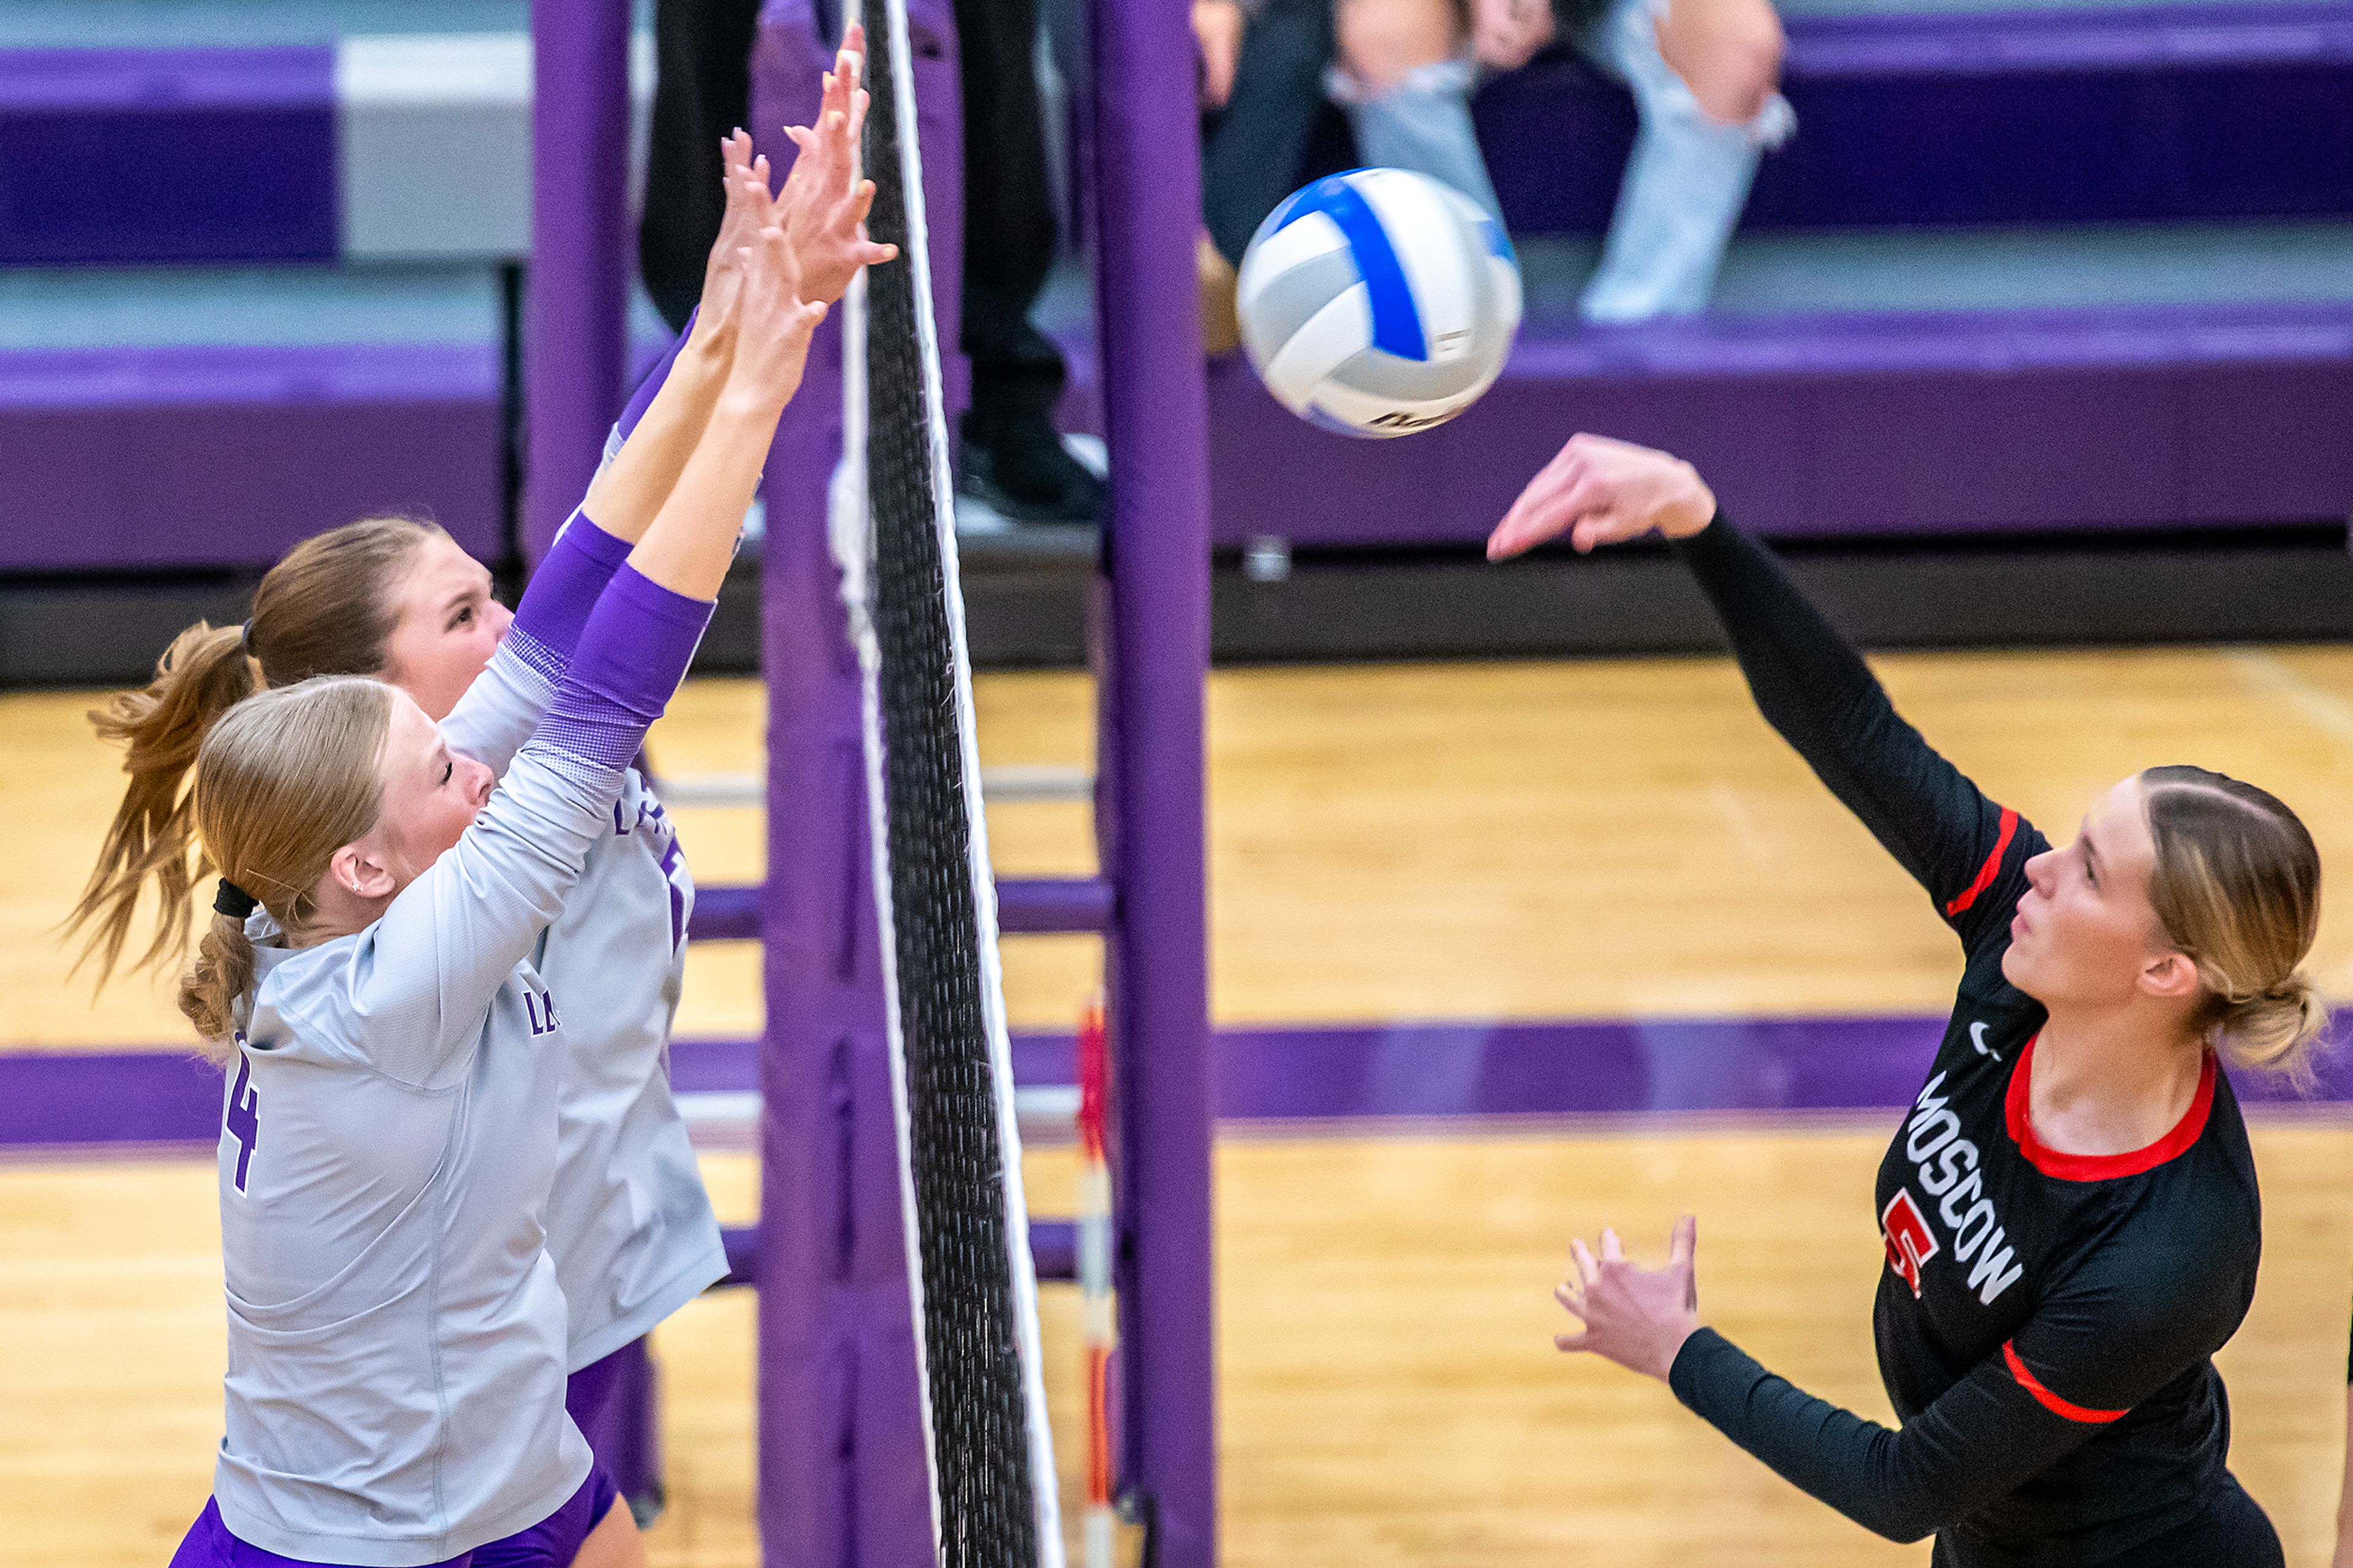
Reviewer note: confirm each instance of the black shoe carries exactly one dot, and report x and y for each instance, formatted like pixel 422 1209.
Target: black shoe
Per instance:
pixel 1019 469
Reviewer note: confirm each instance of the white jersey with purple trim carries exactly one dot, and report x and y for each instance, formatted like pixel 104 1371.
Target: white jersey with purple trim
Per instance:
pixel 396 1335
pixel 630 1226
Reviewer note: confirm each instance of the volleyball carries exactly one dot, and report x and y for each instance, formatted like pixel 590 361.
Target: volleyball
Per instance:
pixel 1378 303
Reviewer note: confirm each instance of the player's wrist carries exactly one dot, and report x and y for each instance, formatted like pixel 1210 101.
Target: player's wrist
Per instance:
pixel 1690 506
pixel 1671 1346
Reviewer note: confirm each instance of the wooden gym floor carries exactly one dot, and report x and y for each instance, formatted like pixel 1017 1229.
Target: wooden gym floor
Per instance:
pixel 1593 839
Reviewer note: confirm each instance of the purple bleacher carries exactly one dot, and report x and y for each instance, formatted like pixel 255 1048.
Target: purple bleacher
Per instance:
pixel 1830 426
pixel 142 156
pixel 2213 111
pixel 211 456
pixel 2231 110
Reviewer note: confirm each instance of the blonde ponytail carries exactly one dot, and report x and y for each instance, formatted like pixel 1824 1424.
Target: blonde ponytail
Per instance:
pixel 287 777
pixel 2237 889
pixel 210 992
pixel 203 674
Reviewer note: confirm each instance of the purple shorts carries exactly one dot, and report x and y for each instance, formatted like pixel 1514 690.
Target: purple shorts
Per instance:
pixel 553 1543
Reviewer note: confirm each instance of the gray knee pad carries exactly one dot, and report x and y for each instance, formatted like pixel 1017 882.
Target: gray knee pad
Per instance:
pixel 1685 186
pixel 1423 124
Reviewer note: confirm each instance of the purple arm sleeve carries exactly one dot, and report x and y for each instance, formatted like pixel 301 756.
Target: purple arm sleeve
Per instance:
pixel 642 399
pixel 633 653
pixel 556 607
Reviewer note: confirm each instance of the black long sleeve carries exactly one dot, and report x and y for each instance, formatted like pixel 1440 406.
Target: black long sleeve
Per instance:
pixel 1814 689
pixel 2106 1337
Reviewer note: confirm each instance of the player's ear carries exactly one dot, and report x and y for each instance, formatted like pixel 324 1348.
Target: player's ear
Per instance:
pixel 2171 975
pixel 359 870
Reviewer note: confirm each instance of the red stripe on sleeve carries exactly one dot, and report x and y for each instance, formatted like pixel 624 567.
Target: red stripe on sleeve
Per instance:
pixel 1990 869
pixel 2052 1402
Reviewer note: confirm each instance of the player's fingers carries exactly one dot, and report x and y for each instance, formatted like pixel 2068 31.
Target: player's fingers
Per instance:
pixel 1685 1239
pixel 1583 489
pixel 1576 1342
pixel 1533 517
pixel 1592 528
pixel 1612 1249
pixel 1588 1270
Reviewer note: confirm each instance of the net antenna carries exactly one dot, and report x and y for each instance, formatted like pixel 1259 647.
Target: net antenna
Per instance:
pixel 971 1278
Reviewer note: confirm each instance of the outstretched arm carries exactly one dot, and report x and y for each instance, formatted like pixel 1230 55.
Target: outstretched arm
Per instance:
pixel 673 409
pixel 449 940
pixel 2099 1347
pixel 1810 684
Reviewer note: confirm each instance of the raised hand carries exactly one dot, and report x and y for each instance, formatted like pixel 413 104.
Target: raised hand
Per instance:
pixel 823 205
pixel 773 326
pixel 746 212
pixel 1638 1318
pixel 1600 491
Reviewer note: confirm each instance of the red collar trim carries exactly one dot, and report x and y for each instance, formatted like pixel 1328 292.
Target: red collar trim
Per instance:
pixel 2101 1167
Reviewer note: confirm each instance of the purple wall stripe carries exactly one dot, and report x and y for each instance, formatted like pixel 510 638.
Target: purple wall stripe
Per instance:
pixel 1464 1072
pixel 234 155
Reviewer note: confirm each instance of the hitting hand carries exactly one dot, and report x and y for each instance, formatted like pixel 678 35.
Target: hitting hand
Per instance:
pixel 1600 491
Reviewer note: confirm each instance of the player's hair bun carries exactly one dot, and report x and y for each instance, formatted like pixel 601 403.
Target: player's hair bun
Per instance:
pixel 2272 1029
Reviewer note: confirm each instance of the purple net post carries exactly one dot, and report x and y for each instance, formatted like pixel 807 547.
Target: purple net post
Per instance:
pixel 580 253
pixel 1149 805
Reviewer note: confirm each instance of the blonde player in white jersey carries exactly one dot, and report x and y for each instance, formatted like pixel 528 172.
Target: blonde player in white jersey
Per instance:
pixel 460 1468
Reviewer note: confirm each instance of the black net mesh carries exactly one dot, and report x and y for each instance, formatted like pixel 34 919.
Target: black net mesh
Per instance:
pixel 971 1327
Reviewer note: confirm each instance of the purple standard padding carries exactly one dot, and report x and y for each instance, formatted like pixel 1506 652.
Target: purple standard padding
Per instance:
pixel 234 155
pixel 1024 905
pixel 577 307
pixel 150 457
pixel 725 912
pixel 1152 655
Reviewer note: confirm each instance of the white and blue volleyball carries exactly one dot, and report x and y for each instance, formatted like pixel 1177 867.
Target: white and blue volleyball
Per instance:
pixel 1378 303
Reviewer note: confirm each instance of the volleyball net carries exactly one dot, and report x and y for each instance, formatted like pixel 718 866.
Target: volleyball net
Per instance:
pixel 972 1280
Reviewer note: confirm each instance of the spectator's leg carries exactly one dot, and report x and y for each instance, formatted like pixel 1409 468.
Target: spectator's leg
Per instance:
pixel 1252 151
pixel 1012 456
pixel 702 89
pixel 1420 121
pixel 1704 75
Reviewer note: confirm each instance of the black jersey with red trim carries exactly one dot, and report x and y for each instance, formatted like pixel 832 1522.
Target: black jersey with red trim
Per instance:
pixel 2046 1322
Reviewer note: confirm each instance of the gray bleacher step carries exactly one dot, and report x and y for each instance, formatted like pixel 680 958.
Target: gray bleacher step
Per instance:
pixel 2079 267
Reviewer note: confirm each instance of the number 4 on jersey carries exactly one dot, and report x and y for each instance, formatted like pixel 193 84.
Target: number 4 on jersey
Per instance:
pixel 243 1120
